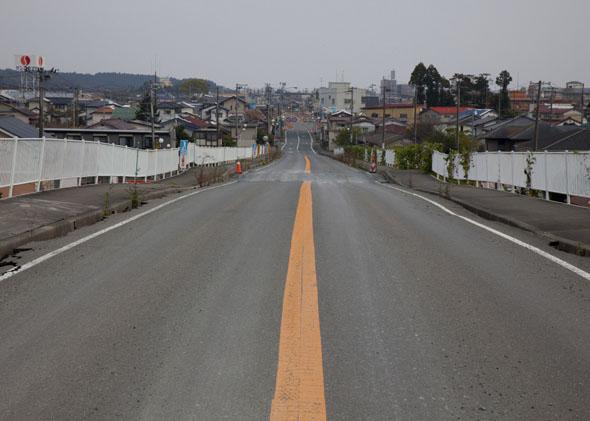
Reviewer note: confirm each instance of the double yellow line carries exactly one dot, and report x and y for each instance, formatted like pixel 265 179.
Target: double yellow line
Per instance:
pixel 299 390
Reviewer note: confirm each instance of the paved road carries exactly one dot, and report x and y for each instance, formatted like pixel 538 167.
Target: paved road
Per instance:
pixel 191 312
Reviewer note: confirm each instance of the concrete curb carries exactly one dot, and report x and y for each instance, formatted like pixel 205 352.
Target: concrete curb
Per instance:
pixel 64 226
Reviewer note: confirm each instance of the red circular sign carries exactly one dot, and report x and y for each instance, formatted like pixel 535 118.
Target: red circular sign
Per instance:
pixel 40 61
pixel 25 60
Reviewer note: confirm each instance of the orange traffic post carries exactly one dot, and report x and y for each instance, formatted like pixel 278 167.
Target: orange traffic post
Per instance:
pixel 238 168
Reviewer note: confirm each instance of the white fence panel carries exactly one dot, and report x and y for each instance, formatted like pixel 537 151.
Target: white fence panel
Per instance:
pixel 578 169
pixel 104 159
pixel 566 173
pixel 28 157
pixel 6 158
pixel 90 166
pixel 389 158
pixel 539 175
pixel 35 160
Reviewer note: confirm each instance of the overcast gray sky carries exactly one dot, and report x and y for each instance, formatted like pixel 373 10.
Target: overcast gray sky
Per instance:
pixel 303 42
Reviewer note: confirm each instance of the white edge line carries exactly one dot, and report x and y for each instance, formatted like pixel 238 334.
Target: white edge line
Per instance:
pixel 297 141
pixel 516 241
pixel 285 142
pixel 83 240
pixel 311 141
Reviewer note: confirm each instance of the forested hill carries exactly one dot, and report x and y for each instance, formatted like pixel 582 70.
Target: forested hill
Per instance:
pixel 107 81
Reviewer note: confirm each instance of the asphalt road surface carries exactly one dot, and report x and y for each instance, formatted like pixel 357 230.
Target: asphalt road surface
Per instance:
pixel 307 290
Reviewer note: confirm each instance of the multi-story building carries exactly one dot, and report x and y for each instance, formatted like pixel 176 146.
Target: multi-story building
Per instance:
pixel 337 96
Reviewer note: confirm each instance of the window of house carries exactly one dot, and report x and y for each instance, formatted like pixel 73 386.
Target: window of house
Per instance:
pixel 374 115
pixel 403 116
pixel 100 138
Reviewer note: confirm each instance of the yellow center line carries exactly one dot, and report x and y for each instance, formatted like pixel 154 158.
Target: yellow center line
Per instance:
pixel 307 165
pixel 299 390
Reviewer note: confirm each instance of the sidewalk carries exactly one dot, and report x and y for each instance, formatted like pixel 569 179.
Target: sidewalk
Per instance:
pixel 566 227
pixel 50 214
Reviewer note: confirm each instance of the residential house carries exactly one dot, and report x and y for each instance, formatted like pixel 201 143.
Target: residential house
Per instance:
pixel 395 134
pixel 115 131
pixel 401 112
pixel 335 123
pixel 518 134
pixel 100 114
pixel 15 127
pixel 520 100
pixel 126 112
pixel 442 117
pixel 556 113
pixel 209 113
pixel 202 132
pixel 234 105
pixel 475 122
pixel 8 109
pixel 167 110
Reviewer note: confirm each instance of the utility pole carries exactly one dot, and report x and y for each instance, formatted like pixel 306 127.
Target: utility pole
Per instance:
pixel 237 122
pixel 268 101
pixel 551 104
pixel 351 112
pixel 217 113
pixel 537 116
pixel 458 107
pixel 500 105
pixel 383 117
pixel 152 87
pixel 41 103
pixel 42 77
pixel 75 108
pixel 415 116
pixel 582 109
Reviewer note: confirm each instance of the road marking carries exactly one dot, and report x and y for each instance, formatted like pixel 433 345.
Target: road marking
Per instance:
pixel 299 391
pixel 516 241
pixel 83 240
pixel 311 141
pixel 285 143
pixel 307 165
pixel 297 141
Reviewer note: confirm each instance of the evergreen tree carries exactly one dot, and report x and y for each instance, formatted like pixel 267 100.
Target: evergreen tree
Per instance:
pixel 503 80
pixel 417 80
pixel 143 113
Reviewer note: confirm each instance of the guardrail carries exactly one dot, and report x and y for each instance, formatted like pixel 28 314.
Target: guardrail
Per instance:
pixel 47 163
pixel 566 173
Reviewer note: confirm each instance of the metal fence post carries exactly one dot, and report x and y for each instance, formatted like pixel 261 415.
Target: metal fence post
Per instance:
pixel 157 152
pixel 13 169
pixel 82 161
pixel 63 161
pixel 567 186
pixel 499 177
pixel 125 166
pixel 546 179
pixel 97 143
pixel 41 159
pixel 512 170
pixel 112 163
